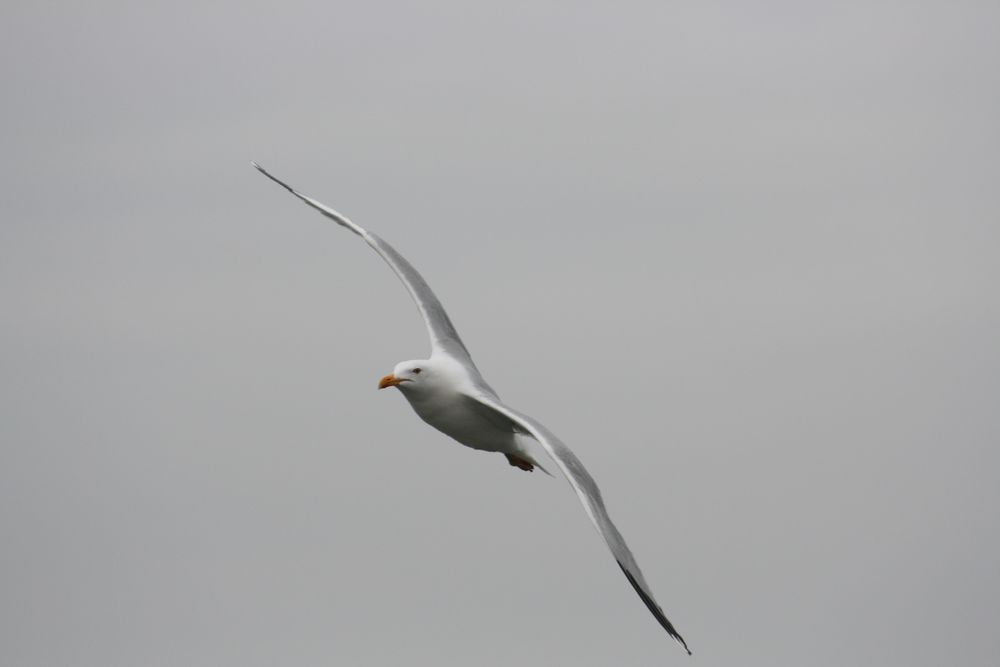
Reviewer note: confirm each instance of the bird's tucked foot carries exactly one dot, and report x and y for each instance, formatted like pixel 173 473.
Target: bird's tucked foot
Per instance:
pixel 518 462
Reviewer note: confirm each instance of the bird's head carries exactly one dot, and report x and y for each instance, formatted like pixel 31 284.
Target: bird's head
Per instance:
pixel 409 375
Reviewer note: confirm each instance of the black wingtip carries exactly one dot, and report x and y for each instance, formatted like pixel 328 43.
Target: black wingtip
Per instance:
pixel 268 174
pixel 655 609
pixel 255 165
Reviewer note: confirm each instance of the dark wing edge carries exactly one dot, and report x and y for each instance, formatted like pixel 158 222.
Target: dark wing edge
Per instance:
pixel 590 496
pixel 443 335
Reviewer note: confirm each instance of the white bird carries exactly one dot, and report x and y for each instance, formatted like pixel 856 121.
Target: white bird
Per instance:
pixel 448 392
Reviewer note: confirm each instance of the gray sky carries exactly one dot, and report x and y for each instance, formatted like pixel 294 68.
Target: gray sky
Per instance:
pixel 742 257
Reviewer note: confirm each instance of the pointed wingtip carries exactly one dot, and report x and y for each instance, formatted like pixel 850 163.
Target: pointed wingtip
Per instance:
pixel 276 180
pixel 655 609
pixel 680 640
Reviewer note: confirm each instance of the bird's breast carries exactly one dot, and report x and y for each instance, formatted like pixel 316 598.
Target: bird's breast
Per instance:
pixel 455 417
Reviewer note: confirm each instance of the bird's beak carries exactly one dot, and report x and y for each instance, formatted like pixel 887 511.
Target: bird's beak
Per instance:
pixel 389 380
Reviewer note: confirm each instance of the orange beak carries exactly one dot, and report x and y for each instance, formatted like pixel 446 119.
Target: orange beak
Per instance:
pixel 389 380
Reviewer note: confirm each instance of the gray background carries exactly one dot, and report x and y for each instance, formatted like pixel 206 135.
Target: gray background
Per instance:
pixel 743 257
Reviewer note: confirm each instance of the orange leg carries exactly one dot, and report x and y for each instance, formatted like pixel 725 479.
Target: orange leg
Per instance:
pixel 518 462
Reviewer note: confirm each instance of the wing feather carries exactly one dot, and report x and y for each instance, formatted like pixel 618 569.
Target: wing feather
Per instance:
pixel 444 338
pixel 590 496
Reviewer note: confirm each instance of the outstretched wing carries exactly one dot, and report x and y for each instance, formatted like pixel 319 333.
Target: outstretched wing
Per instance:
pixel 444 337
pixel 590 496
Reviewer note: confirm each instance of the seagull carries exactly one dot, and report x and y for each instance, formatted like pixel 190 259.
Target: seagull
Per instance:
pixel 448 392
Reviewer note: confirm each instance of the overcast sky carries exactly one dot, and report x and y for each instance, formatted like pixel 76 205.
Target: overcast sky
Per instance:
pixel 743 257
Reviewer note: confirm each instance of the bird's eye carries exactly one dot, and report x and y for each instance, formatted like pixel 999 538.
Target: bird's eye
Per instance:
pixel 416 371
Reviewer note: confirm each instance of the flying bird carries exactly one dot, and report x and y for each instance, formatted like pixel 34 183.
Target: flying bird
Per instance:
pixel 448 392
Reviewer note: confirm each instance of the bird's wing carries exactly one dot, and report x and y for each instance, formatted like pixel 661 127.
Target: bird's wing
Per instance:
pixel 444 337
pixel 590 496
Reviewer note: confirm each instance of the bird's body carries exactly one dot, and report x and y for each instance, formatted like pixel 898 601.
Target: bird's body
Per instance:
pixel 441 400
pixel 448 392
pixel 438 400
pixel 457 419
